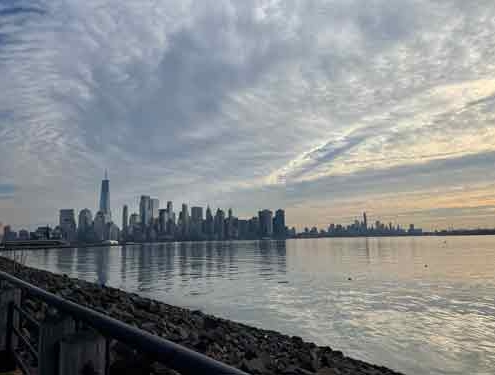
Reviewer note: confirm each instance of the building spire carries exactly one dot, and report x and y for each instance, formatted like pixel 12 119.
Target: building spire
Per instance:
pixel 106 174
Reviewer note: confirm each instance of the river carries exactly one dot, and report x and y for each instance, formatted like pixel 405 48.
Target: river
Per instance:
pixel 419 305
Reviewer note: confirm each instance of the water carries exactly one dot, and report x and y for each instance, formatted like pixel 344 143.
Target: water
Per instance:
pixel 394 311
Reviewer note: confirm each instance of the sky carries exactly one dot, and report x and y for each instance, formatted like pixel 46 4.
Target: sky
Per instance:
pixel 326 108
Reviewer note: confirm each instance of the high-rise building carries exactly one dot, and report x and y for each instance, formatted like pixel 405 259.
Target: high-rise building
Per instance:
pixel 85 225
pixel 125 222
pixel 105 197
pixel 365 221
pixel 145 211
pixel 209 228
pixel 100 226
pixel 197 222
pixel 266 223
pixel 279 230
pixel 162 220
pixel 219 226
pixel 155 207
pixel 185 224
pixel 67 223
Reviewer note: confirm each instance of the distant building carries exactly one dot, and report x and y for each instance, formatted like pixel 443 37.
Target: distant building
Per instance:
pixel 155 207
pixel 67 224
pixel 219 225
pixel 112 232
pixel 266 223
pixel 209 226
pixel 105 197
pixel 100 226
pixel 197 222
pixel 279 230
pixel 145 211
pixel 85 226
pixel 125 222
pixel 184 228
pixel 162 220
pixel 23 235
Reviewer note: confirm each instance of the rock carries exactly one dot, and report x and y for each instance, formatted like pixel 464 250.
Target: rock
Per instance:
pixel 253 366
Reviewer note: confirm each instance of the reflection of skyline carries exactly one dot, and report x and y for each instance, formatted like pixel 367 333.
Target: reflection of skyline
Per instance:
pixel 193 267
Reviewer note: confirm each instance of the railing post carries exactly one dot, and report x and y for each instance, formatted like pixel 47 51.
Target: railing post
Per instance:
pixel 9 297
pixel 83 353
pixel 52 330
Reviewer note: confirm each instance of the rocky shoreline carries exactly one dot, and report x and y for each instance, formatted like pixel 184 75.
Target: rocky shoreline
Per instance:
pixel 253 350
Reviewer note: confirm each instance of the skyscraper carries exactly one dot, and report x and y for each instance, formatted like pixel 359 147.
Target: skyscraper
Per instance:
pixel 85 225
pixel 67 223
pixel 266 223
pixel 219 225
pixel 365 221
pixel 125 221
pixel 185 221
pixel 197 222
pixel 155 207
pixel 145 210
pixel 209 225
pixel 279 224
pixel 105 197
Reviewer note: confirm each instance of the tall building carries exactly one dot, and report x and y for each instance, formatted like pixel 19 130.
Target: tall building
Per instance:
pixel 209 228
pixel 266 223
pixel 219 225
pixel 145 211
pixel 105 197
pixel 197 222
pixel 85 225
pixel 125 221
pixel 155 207
pixel 162 220
pixel 365 221
pixel 279 230
pixel 185 224
pixel 67 223
pixel 100 226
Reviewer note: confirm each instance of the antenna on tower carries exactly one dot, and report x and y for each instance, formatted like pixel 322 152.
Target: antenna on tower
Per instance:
pixel 106 174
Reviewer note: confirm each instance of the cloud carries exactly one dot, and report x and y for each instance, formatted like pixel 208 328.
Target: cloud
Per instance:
pixel 217 101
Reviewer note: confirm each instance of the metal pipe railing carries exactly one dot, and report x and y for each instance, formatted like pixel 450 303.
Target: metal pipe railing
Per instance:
pixel 170 354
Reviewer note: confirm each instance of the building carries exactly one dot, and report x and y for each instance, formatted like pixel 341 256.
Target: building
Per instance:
pixel 145 212
pixel 105 197
pixel 100 226
pixel 266 223
pixel 23 235
pixel 209 226
pixel 279 230
pixel 155 208
pixel 112 232
pixel 67 224
pixel 162 220
pixel 219 225
pixel 125 222
pixel 185 223
pixel 197 222
pixel 85 226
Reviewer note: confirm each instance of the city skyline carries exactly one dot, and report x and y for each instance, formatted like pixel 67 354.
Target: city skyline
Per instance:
pixel 326 108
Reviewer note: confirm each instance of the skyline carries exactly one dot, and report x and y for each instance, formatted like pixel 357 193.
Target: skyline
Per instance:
pixel 325 108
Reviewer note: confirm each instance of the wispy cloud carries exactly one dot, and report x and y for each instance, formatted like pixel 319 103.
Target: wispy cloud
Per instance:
pixel 216 101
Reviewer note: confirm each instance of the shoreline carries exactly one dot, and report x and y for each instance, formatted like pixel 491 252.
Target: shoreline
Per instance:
pixel 99 244
pixel 254 350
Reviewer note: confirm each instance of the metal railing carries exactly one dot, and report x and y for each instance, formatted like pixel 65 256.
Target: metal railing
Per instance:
pixel 174 356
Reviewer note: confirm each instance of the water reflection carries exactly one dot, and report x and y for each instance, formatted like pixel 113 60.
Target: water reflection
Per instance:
pixel 393 311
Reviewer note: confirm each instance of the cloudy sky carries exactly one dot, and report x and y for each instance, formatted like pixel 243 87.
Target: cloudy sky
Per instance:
pixel 324 107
